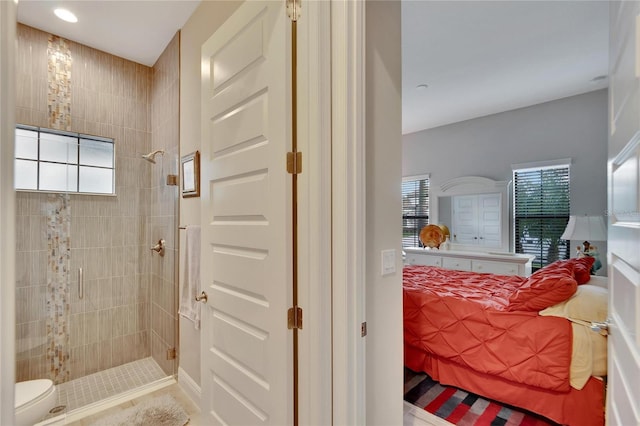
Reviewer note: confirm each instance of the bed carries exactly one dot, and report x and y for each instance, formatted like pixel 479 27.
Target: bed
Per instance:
pixel 523 341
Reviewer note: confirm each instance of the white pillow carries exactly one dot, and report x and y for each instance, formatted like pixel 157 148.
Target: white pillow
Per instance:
pixel 589 303
pixel 599 281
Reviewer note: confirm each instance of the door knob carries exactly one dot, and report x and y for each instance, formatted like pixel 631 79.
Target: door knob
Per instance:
pixel 202 297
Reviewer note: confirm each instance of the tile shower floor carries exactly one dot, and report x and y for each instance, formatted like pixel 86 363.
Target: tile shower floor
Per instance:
pixel 86 390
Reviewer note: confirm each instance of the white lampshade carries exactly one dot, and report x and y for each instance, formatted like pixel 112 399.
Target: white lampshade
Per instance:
pixel 585 228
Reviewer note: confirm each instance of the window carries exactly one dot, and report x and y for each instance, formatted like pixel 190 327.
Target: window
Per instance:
pixel 541 212
pixel 56 161
pixel 415 209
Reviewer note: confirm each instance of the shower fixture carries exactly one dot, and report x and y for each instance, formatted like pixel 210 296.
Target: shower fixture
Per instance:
pixel 172 180
pixel 159 248
pixel 151 157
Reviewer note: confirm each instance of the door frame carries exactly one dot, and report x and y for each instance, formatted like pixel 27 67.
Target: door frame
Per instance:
pixel 332 197
pixel 314 213
pixel 348 191
pixel 7 210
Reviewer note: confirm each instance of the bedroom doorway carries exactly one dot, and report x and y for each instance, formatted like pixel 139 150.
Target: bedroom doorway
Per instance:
pixel 447 44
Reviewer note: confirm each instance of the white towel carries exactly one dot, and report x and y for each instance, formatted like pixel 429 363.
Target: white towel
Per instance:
pixel 189 307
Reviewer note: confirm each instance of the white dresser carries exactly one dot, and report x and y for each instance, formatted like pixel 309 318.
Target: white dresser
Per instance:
pixel 495 263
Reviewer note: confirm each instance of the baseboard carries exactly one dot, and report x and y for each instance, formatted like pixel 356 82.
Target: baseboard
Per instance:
pixel 191 388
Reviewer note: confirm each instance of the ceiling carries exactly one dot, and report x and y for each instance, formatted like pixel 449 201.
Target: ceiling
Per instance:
pixel 484 57
pixel 137 30
pixel 477 57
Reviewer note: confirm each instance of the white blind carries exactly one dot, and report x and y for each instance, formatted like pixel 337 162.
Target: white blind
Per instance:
pixel 415 210
pixel 541 210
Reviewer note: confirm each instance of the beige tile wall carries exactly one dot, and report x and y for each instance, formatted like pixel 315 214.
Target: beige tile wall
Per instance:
pixel 110 236
pixel 31 286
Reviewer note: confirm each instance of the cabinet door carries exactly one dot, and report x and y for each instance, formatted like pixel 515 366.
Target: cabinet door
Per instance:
pixel 465 219
pixel 489 220
pixel 502 268
pixel 477 219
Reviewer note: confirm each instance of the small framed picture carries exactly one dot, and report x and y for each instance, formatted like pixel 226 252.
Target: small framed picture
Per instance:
pixel 190 166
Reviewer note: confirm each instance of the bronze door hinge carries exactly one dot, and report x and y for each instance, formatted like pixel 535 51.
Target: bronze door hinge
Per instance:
pixel 294 318
pixel 294 162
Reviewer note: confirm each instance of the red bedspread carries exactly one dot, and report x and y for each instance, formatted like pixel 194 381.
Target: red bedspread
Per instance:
pixel 463 317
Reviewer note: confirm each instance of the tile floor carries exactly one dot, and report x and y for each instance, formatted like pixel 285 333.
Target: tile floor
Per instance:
pixel 95 387
pixel 412 416
pixel 174 390
pixel 104 384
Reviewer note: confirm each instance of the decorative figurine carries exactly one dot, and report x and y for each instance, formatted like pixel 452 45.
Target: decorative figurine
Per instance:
pixel 592 251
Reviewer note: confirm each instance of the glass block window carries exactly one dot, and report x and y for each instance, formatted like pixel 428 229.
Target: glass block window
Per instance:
pixel 56 161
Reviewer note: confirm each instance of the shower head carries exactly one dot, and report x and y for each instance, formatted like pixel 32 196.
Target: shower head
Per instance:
pixel 151 157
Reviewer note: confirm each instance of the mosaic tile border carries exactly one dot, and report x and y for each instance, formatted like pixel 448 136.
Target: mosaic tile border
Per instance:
pixel 59 83
pixel 59 257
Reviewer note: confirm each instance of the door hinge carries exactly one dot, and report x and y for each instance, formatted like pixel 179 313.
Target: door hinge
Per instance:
pixel 363 329
pixel 171 353
pixel 294 162
pixel 294 318
pixel 293 9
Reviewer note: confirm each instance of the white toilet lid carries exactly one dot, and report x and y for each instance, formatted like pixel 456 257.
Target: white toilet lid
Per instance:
pixel 31 390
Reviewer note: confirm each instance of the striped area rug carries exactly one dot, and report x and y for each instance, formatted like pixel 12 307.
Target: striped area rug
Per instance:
pixel 463 408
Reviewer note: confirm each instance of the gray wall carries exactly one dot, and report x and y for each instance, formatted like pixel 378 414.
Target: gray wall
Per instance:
pixel 573 127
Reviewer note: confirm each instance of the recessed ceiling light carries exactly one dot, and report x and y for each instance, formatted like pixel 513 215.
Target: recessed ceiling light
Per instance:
pixel 65 15
pixel 422 86
pixel 598 78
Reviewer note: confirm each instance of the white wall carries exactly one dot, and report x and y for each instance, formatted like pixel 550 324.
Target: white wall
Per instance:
pixel 383 212
pixel 573 127
pixel 205 20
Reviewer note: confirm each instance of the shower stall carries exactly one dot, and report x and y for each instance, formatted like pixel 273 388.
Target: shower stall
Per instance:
pixel 92 299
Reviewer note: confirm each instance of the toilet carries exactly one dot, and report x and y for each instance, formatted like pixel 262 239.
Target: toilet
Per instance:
pixel 34 399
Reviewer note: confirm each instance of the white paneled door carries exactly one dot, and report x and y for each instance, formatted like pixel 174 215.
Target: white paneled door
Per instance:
pixel 246 220
pixel 465 219
pixel 477 219
pixel 490 220
pixel 624 213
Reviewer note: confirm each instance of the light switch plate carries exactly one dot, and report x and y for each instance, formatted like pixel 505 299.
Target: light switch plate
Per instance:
pixel 388 261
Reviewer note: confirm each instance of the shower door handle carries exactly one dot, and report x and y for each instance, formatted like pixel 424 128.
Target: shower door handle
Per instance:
pixel 80 284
